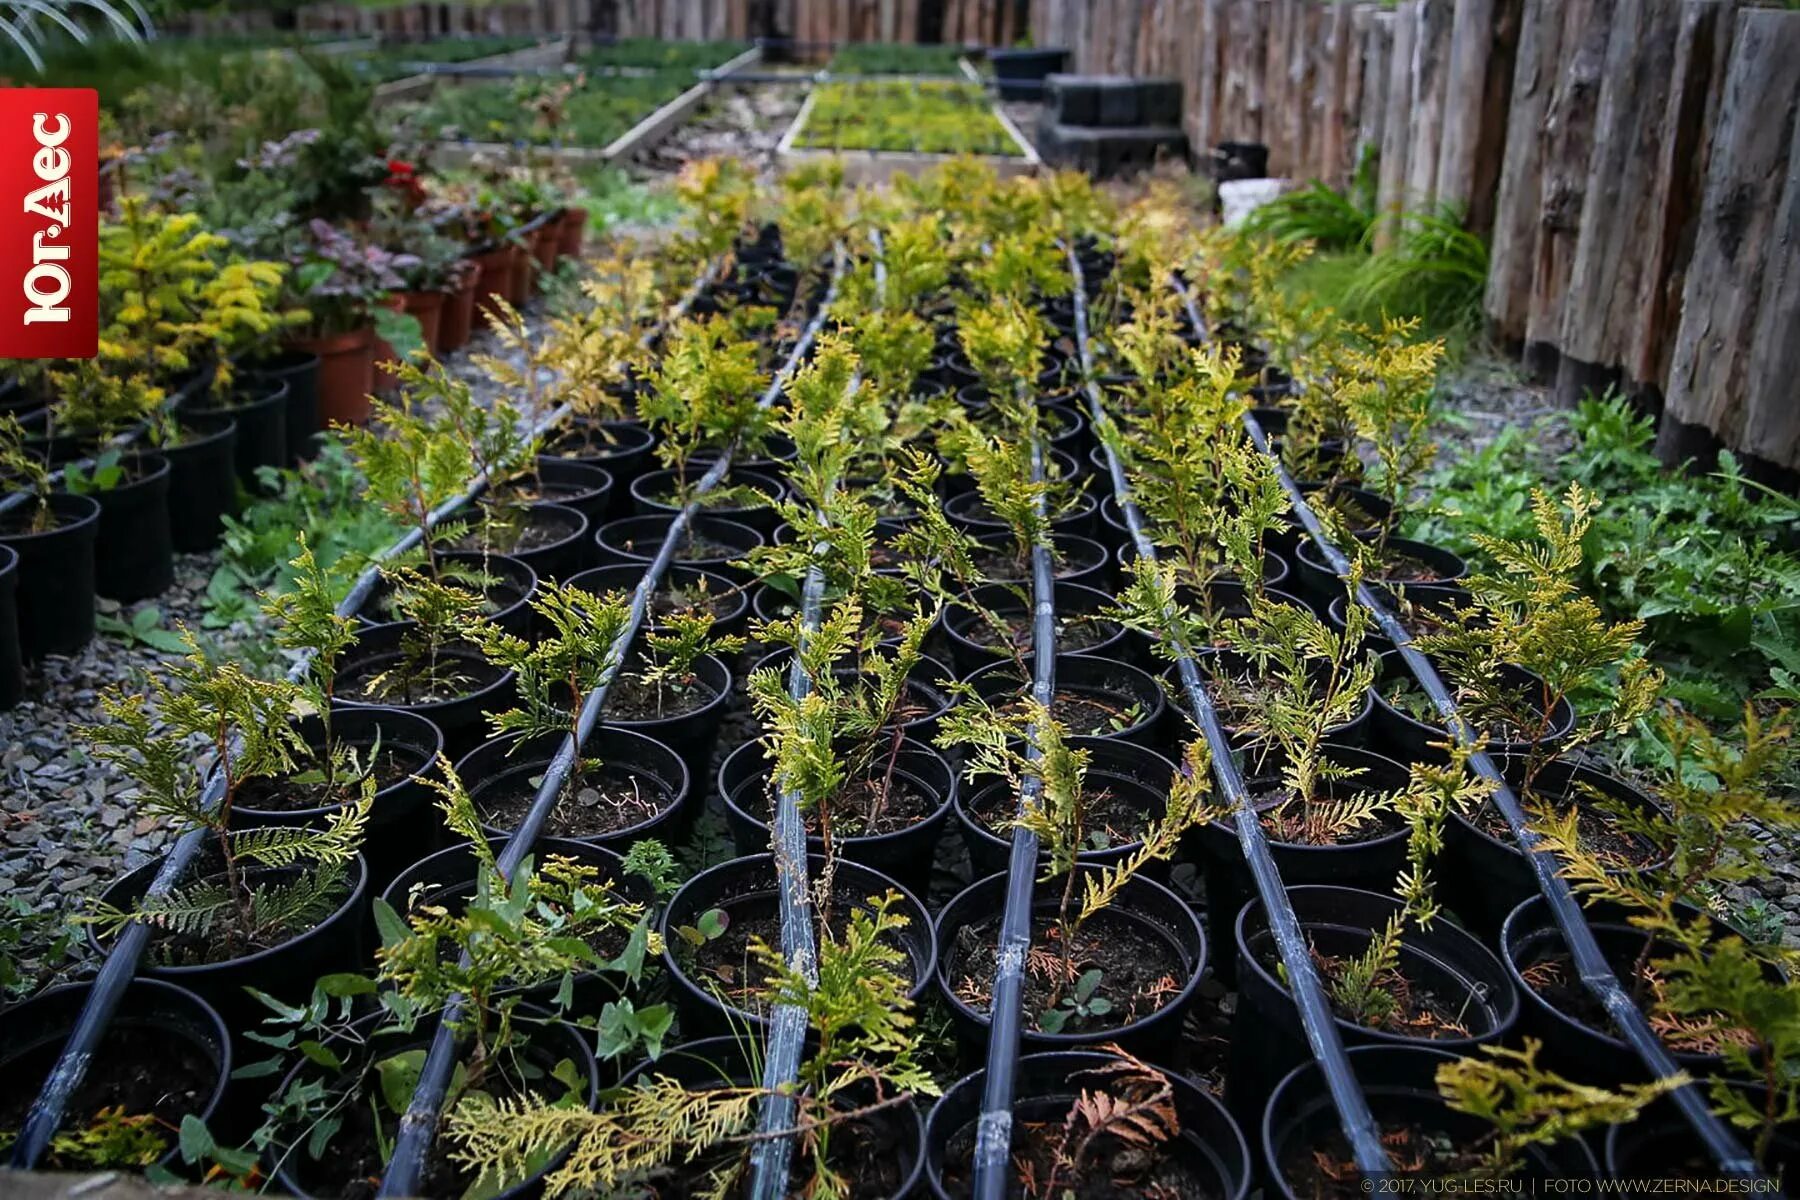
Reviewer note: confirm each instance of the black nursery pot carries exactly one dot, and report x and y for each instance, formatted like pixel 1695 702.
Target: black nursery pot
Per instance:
pixel 285 971
pixel 166 1052
pixel 1577 1035
pixel 1210 1144
pixel 56 575
pixel 1078 560
pixel 746 890
pixel 724 1062
pixel 1319 585
pixel 12 663
pixel 1145 908
pixel 1213 662
pixel 1661 1144
pixel 1421 608
pixel 1132 777
pixel 1098 685
pixel 728 603
pixel 970 513
pixel 636 541
pixel 1370 863
pixel 1407 739
pixel 621 448
pixel 258 406
pixel 552 540
pixel 691 734
pixel 1400 1083
pixel 459 718
pixel 299 370
pixel 1079 627
pixel 1266 1036
pixel 905 854
pixel 504 770
pixel 400 823
pixel 508 597
pixel 1485 875
pixel 1364 511
pixel 651 492
pixel 134 554
pixel 581 486
pixel 203 481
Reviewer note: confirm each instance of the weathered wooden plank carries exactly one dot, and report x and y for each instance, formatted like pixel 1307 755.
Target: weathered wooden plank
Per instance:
pixel 1390 188
pixel 1377 56
pixel 1742 278
pixel 1483 42
pixel 1771 414
pixel 1333 93
pixel 1430 91
pixel 1512 251
pixel 1568 128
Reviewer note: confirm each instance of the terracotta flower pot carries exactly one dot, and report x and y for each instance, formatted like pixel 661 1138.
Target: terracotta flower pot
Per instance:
pixel 383 353
pixel 524 270
pixel 571 231
pixel 346 374
pixel 544 241
pixel 425 307
pixel 495 281
pixel 458 317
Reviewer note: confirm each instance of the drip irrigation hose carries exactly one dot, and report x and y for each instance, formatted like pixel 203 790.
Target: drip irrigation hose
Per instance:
pixel 1314 1007
pixel 419 1124
pixel 1596 974
pixel 120 967
pixel 992 1157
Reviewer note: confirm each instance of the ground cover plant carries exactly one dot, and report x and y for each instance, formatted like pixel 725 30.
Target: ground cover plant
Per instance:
pixel 656 55
pixel 929 117
pixel 584 110
pixel 876 58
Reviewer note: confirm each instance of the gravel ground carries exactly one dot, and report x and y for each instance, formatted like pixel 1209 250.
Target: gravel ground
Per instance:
pixel 743 122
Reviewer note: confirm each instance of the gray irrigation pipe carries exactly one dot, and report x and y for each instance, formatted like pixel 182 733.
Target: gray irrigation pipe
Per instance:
pixel 1354 1117
pixel 419 1124
pixel 1596 974
pixel 120 967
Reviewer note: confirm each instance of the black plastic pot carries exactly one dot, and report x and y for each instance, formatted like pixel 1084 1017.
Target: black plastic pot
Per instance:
pixel 1661 1145
pixel 970 513
pixel 1076 609
pixel 1137 777
pixel 1240 160
pixel 12 663
pixel 460 718
pixel 1267 1040
pixel 561 534
pixel 156 1022
pixel 509 596
pixel 622 448
pixel 928 690
pixel 1422 607
pixel 1400 1083
pixel 56 575
pixel 285 971
pixel 1407 739
pixel 648 490
pixel 729 603
pixel 725 1062
pixel 904 854
pixel 1371 863
pixel 512 763
pixel 1374 511
pixel 745 890
pixel 549 1043
pixel 134 552
pixel 1579 1045
pixel 581 486
pixel 691 734
pixel 259 408
pixel 1485 875
pixel 1150 910
pixel 1045 1086
pixel 1078 560
pixel 1211 661
pixel 401 821
pixel 300 371
pixel 1319 584
pixel 636 540
pixel 1021 73
pixel 203 481
pixel 1081 677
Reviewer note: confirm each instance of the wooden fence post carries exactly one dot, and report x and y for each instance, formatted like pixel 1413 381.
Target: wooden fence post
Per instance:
pixel 1512 253
pixel 1390 193
pixel 1430 88
pixel 1378 53
pixel 1744 276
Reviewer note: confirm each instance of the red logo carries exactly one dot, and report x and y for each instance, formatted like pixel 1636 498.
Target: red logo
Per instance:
pixel 49 222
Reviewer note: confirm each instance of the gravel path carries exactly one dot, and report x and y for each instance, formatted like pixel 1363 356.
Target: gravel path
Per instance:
pixel 744 122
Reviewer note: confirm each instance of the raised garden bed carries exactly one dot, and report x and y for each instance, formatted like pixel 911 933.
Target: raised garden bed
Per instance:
pixel 880 127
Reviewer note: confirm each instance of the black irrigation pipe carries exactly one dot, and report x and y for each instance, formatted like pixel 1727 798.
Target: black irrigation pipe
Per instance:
pixel 120 967
pixel 1314 1007
pixel 992 1158
pixel 1596 974
pixel 418 1126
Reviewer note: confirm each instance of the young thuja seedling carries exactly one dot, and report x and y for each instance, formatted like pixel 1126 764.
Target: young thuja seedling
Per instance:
pixel 439 616
pixel 670 655
pixel 306 620
pixel 703 396
pixel 993 741
pixel 245 722
pixel 1531 612
pixel 1528 1106
pixel 411 465
pixel 696 1139
pixel 1387 393
pixel 26 471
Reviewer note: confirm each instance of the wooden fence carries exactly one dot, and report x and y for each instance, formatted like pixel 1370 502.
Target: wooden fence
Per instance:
pixel 1635 163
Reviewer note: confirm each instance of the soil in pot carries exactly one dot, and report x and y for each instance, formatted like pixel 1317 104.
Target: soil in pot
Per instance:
pixel 1077 558
pixel 233 933
pixel 597 800
pixel 516 530
pixel 1526 716
pixel 387 762
pixel 632 699
pixel 450 675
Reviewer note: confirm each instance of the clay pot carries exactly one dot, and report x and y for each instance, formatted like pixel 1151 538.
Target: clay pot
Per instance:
pixel 346 374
